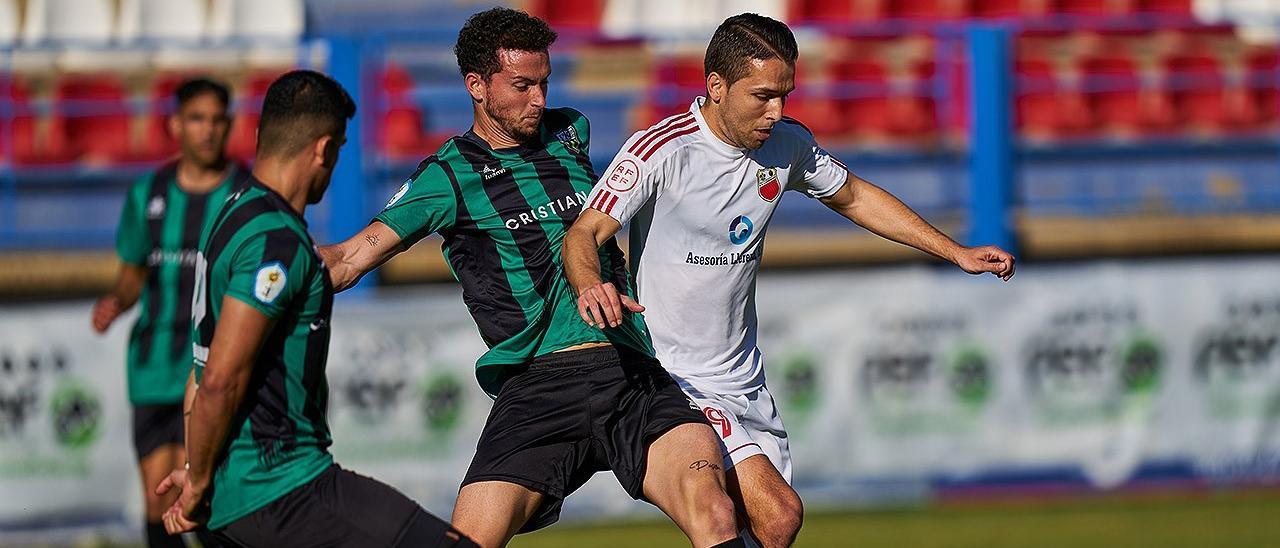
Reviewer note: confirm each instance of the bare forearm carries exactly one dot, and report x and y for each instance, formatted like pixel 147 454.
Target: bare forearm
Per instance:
pixel 350 260
pixel 128 286
pixel 581 259
pixel 212 409
pixel 886 216
pixel 188 398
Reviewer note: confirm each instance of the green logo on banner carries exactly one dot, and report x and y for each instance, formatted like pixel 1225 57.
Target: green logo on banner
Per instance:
pixel 800 387
pixel 442 403
pixel 76 413
pixel 970 378
pixel 1141 361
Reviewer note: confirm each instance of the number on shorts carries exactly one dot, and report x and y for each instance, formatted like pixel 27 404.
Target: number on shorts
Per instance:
pixel 717 418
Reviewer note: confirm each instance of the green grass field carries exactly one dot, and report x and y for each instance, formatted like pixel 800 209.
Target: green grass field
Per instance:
pixel 1231 519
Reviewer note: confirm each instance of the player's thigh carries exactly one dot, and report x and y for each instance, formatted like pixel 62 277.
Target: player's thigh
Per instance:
pixel 491 512
pixel 152 469
pixel 759 490
pixel 687 456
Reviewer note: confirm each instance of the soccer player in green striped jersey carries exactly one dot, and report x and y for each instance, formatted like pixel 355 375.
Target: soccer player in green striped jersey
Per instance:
pixel 160 226
pixel 260 471
pixel 570 399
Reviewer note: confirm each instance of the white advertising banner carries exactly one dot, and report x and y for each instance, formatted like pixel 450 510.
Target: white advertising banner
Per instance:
pixel 899 381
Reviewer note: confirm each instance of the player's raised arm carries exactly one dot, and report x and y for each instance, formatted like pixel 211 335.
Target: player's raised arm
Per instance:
pixel 350 260
pixel 880 212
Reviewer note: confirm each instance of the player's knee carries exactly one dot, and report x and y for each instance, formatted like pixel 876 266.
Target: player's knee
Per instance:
pixel 710 507
pixel 783 520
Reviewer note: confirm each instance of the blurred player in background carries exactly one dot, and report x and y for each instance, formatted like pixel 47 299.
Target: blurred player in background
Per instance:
pixel 159 231
pixel 260 471
pixel 701 188
pixel 571 399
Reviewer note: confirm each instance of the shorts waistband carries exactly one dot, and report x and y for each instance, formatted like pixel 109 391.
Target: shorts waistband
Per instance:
pixel 585 357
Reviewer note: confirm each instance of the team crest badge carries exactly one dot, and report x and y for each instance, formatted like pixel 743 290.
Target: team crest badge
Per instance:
pixel 767 183
pixel 569 137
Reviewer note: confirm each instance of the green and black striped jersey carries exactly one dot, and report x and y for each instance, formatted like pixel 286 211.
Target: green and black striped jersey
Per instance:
pixel 258 252
pixel 160 228
pixel 503 215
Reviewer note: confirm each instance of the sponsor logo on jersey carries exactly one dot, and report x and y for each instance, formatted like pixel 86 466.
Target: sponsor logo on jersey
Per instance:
pixel 489 172
pixel 740 230
pixel 155 208
pixel 767 183
pixel 624 176
pixel 399 194
pixel 569 137
pixel 569 203
pixel 269 282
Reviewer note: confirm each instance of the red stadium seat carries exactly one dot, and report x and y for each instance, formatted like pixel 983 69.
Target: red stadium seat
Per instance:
pixel 1095 8
pixel 1165 7
pixel 97 117
pixel 928 9
pixel 835 11
pixel 1046 106
pixel 1010 8
pixel 157 142
pixel 1264 67
pixel 244 124
pixel 401 129
pixel 1203 97
pixel 685 73
pixel 1112 87
pixel 569 14
pixel 864 95
pixel 877 106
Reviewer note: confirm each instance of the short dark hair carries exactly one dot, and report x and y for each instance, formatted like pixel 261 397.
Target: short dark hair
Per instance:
pixel 744 37
pixel 300 107
pixel 196 87
pixel 499 28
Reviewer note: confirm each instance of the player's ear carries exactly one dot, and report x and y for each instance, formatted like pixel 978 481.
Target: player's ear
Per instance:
pixel 174 125
pixel 475 86
pixel 716 87
pixel 320 151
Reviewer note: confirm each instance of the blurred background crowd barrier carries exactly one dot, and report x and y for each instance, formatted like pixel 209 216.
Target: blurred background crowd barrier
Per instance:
pixel 1129 150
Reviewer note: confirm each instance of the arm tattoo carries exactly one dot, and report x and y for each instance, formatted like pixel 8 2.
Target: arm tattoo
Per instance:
pixel 372 239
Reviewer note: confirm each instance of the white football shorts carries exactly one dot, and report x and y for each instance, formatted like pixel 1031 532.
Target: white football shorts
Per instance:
pixel 748 425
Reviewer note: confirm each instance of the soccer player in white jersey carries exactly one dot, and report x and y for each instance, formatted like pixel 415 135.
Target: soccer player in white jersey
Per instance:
pixel 700 188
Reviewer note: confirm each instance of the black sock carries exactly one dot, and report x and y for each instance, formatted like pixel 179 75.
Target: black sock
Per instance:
pixel 157 537
pixel 737 542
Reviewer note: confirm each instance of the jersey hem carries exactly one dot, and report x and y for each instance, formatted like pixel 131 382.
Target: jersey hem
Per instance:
pixel 257 504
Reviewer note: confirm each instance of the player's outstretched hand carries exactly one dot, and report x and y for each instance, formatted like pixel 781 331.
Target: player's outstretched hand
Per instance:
pixel 184 515
pixel 989 258
pixel 105 311
pixel 601 305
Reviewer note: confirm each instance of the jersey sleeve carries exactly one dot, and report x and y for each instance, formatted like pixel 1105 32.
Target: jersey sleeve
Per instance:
pixel 133 240
pixel 626 186
pixel 270 270
pixel 426 203
pixel 817 172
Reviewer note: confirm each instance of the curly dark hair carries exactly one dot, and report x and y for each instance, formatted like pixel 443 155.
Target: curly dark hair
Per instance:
pixel 499 28
pixel 744 37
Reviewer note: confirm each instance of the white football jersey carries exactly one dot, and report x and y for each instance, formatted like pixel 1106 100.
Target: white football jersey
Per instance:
pixel 700 209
